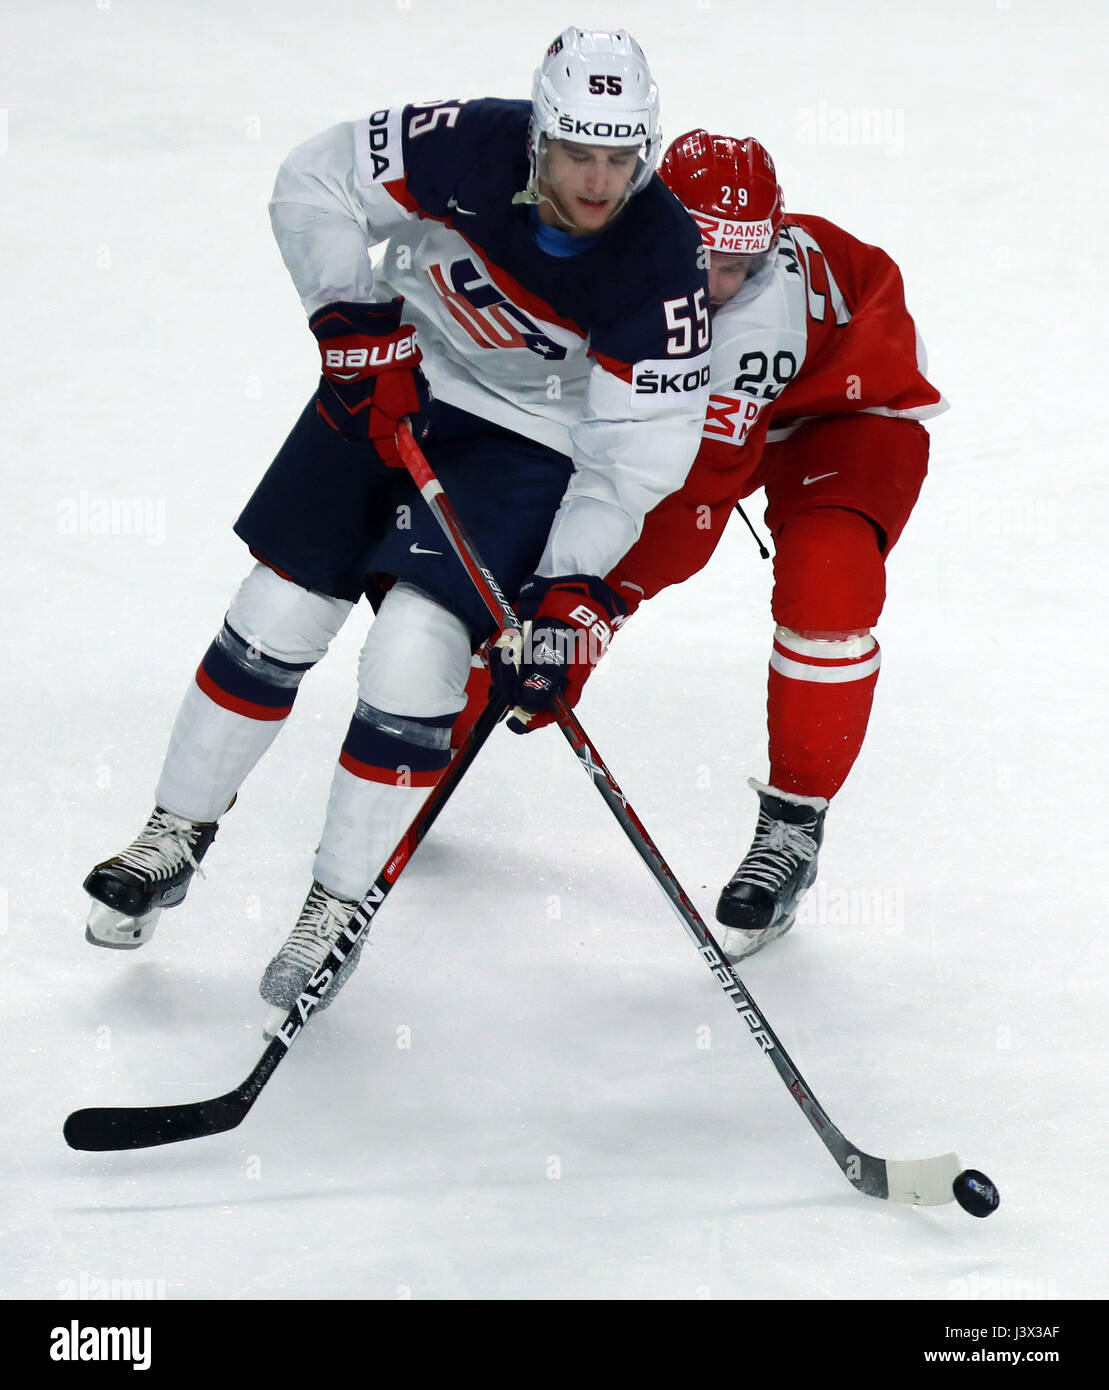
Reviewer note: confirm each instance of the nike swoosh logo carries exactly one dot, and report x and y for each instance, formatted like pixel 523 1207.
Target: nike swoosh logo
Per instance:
pixel 806 481
pixel 419 550
pixel 464 211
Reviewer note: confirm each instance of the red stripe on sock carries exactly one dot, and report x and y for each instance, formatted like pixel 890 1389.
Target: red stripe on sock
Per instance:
pixel 389 776
pixel 248 708
pixel 804 659
pixel 816 731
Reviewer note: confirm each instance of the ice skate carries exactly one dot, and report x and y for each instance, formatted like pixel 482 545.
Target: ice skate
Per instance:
pixel 130 890
pixel 759 902
pixel 320 927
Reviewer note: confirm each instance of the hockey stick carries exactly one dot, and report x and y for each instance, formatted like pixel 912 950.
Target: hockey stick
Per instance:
pixel 143 1127
pixel 920 1182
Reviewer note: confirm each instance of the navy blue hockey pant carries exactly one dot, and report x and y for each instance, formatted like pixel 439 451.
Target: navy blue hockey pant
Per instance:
pixel 331 517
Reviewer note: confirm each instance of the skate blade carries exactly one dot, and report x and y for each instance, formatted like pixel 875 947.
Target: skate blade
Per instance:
pixel 117 932
pixel 740 942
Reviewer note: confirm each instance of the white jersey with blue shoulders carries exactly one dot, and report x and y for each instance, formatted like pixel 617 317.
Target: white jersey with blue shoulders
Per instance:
pixel 602 355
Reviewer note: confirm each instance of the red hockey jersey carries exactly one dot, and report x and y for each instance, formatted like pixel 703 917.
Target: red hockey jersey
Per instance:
pixel 821 330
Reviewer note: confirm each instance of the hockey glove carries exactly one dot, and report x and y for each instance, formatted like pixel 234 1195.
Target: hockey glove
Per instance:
pixel 371 373
pixel 568 623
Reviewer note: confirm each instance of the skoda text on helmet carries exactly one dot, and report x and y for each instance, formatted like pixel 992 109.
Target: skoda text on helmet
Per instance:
pixel 730 189
pixel 594 87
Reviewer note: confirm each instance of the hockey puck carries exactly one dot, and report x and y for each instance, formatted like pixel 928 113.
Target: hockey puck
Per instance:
pixel 976 1193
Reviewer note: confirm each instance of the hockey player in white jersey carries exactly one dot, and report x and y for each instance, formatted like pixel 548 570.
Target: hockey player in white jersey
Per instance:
pixel 542 280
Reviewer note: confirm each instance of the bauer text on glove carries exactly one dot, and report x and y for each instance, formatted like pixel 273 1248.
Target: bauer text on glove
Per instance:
pixel 371 373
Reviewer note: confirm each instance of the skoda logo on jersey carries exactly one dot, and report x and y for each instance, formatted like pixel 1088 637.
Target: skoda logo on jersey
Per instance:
pixel 570 127
pixel 661 381
pixel 379 140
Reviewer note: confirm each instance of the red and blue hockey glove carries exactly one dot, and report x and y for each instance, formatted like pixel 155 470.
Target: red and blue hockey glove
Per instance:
pixel 568 623
pixel 371 373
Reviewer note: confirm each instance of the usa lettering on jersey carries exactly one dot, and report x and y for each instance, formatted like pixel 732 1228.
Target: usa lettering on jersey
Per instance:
pixel 490 318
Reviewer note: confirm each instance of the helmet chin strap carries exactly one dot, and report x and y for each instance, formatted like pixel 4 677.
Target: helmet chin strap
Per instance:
pixel 532 197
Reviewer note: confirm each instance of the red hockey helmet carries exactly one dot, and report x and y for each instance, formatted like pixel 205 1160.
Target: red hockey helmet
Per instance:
pixel 730 189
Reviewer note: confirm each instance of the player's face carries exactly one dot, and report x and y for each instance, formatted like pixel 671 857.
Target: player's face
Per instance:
pixel 586 183
pixel 726 275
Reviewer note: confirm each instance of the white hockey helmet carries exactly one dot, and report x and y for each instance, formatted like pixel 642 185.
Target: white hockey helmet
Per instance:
pixel 594 87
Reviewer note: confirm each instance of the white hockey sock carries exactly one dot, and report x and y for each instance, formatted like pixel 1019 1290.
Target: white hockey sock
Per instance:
pixel 244 690
pixel 364 822
pixel 210 752
pixel 411 685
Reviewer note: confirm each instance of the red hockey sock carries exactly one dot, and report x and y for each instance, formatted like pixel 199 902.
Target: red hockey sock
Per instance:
pixel 818 703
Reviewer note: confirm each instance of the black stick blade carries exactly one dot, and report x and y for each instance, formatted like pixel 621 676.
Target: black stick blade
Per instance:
pixel 103 1129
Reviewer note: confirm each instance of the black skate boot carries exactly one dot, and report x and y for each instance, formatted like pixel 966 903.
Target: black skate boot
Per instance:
pixel 130 890
pixel 760 900
pixel 320 926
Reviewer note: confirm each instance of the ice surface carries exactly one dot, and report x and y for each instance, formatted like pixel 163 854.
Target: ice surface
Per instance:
pixel 533 1088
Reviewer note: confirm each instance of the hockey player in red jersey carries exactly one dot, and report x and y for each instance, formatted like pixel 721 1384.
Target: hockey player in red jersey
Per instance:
pixel 817 394
pixel 521 244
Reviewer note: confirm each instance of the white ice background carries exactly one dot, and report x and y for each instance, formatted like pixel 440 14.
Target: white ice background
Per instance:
pixel 579 1114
